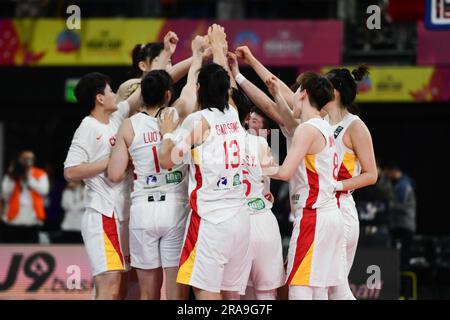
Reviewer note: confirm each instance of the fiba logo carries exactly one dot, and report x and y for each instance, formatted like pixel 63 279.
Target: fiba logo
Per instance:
pixel 74 20
pixel 222 183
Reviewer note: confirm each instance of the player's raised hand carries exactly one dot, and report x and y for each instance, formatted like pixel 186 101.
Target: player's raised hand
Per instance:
pixel 273 85
pixel 207 53
pixel 168 120
pixel 217 35
pixel 244 53
pixel 198 45
pixel 170 42
pixel 233 63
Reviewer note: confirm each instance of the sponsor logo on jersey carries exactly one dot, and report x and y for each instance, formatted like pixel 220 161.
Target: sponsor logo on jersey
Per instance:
pixel 236 180
pixel 112 141
pixel 338 131
pixel 174 177
pixel 152 180
pixel 256 204
pixel 222 183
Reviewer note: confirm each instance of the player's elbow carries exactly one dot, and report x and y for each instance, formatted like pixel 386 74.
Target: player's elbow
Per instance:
pixel 373 178
pixel 69 175
pixel 114 176
pixel 284 177
pixel 281 175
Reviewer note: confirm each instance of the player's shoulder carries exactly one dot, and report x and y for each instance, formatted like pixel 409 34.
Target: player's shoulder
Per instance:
pixel 88 128
pixel 357 126
pixel 197 115
pixel 130 82
pixel 87 125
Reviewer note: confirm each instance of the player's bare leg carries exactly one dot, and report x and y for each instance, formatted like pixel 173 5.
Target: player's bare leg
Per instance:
pixel 174 290
pixel 206 295
pixel 231 295
pixel 249 294
pixel 107 286
pixel 150 282
pixel 123 290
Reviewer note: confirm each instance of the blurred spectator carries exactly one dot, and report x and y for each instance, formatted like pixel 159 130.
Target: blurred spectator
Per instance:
pixel 73 204
pixel 402 215
pixel 373 204
pixel 23 189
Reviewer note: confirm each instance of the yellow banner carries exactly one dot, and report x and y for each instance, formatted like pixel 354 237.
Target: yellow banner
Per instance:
pixel 98 42
pixel 394 84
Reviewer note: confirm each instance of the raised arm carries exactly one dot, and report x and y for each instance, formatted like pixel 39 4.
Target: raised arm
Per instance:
pixel 361 141
pixel 120 157
pixel 179 70
pixel 258 97
pixel 187 101
pixel 219 48
pixel 170 45
pixel 135 101
pixel 244 53
pixel 126 89
pixel 282 108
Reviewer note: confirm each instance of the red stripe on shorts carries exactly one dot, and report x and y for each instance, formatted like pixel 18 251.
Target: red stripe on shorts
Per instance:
pixel 304 240
pixel 110 229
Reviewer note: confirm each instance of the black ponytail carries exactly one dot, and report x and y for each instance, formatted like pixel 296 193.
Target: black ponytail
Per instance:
pixel 142 52
pixel 346 84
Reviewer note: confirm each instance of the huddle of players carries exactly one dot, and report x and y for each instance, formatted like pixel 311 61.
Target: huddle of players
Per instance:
pixel 200 205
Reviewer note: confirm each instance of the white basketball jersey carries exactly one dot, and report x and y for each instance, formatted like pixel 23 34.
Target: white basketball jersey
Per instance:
pixel 91 142
pixel 313 186
pixel 215 174
pixel 349 165
pixel 150 179
pixel 296 177
pixel 257 185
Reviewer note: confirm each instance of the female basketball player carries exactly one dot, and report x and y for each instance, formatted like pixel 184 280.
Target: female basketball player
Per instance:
pixel 266 270
pixel 216 244
pixel 153 56
pixel 316 259
pixel 356 167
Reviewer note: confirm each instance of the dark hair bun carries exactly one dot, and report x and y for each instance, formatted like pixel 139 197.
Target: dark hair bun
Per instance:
pixel 360 72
